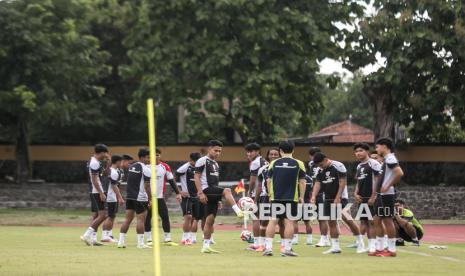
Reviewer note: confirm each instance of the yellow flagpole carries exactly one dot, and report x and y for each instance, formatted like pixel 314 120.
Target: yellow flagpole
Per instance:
pixel 153 186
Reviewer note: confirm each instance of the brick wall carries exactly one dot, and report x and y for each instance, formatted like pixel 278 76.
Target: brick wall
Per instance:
pixel 427 202
pixel 416 173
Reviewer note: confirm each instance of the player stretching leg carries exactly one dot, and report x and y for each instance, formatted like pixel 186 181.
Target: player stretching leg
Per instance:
pixel 164 175
pixel 323 224
pixel 97 196
pixel 333 179
pixel 286 180
pixel 138 198
pixel 352 225
pixel 207 179
pixel 256 162
pixel 384 204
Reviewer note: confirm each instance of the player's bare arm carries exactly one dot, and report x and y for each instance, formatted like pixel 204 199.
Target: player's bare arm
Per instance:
pixel 198 185
pixel 316 190
pixel 398 174
pixel 342 185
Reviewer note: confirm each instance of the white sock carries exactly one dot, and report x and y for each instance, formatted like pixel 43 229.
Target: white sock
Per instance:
pixel 309 238
pixel 269 243
pixel 371 245
pixel 287 244
pixel 94 236
pixel 121 238
pixel 206 243
pixel 260 241
pixel 140 239
pixel 360 241
pixel 282 242
pixel 104 234
pixel 255 241
pixel 148 236
pixel 295 238
pixel 167 237
pixel 335 244
pixel 89 232
pixel 110 233
pixel 236 209
pixel 392 245
pixel 193 236
pixel 379 243
pixel 385 241
pixel 184 236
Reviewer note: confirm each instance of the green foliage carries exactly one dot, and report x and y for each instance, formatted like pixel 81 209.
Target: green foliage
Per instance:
pixel 49 63
pixel 256 60
pixel 423 44
pixel 344 101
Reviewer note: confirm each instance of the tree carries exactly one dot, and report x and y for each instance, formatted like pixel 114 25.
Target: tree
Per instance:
pixel 48 65
pixel 422 42
pixel 345 101
pixel 256 61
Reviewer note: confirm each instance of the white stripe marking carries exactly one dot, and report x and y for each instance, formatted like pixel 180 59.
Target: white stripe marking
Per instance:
pixel 429 255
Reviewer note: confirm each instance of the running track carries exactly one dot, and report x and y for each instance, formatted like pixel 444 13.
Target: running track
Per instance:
pixel 447 233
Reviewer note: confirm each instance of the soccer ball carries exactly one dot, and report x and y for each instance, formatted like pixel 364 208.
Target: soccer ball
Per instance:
pixel 246 236
pixel 246 203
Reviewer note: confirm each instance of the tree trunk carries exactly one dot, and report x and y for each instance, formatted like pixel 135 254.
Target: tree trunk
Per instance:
pixel 384 118
pixel 23 166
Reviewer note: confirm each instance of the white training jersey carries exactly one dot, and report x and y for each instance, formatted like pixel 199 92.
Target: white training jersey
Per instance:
pixel 94 170
pixel 254 168
pixel 115 176
pixel 209 171
pixel 182 172
pixel 163 174
pixel 262 178
pixel 387 174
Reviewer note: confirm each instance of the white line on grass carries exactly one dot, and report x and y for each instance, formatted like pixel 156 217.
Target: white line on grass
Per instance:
pixel 429 255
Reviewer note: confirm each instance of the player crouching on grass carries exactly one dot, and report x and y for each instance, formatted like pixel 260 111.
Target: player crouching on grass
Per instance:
pixel 97 195
pixel 114 197
pixel 408 227
pixel 190 204
pixel 207 179
pixel 286 184
pixel 138 198
pixel 384 204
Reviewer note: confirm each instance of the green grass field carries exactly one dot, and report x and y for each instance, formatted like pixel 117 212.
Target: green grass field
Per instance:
pixel 44 250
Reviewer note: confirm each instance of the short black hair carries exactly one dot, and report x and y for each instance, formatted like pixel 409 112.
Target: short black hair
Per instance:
pixel 400 201
pixel 143 152
pixel 127 157
pixel 215 143
pixel 373 152
pixel 385 141
pixel 195 156
pixel 157 150
pixel 314 150
pixel 252 147
pixel 287 146
pixel 318 157
pixel 99 148
pixel 364 146
pixel 116 158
